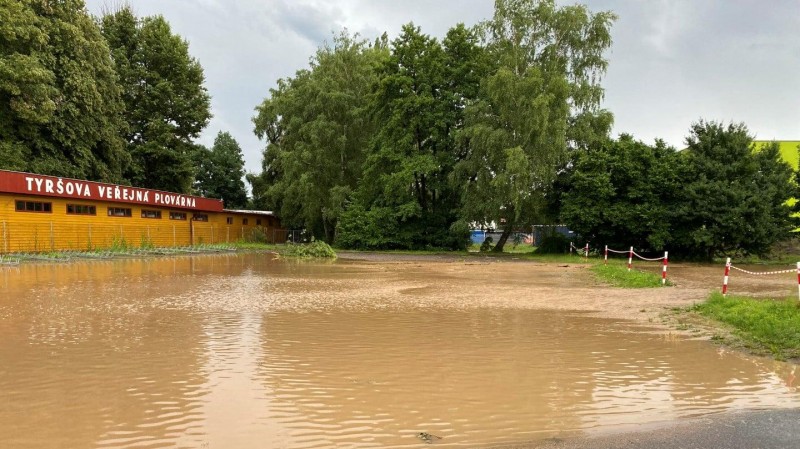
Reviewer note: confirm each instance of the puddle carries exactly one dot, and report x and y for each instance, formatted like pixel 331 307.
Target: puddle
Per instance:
pixel 242 351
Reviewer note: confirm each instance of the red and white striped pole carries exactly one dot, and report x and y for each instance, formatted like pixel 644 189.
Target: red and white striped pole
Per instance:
pixel 725 279
pixel 664 270
pixel 630 258
pixel 586 250
pixel 605 257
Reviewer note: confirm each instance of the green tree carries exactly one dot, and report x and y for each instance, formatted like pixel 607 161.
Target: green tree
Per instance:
pixel 317 129
pixel 403 169
pixel 736 198
pixel 59 99
pixel 624 193
pixel 166 104
pixel 544 94
pixel 419 105
pixel 220 172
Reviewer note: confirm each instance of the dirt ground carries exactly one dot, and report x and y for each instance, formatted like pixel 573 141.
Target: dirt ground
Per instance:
pixel 514 282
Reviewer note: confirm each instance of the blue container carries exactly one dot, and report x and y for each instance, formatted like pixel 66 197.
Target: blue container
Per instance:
pixel 478 236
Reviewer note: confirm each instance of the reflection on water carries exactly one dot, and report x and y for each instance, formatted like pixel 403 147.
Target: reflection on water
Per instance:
pixel 242 351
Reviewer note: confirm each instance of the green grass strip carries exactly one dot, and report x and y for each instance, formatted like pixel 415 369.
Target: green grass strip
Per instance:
pixel 619 276
pixel 763 324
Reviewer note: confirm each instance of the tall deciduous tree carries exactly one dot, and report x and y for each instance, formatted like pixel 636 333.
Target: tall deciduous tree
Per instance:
pixel 166 104
pixel 736 198
pixel 59 100
pixel 220 171
pixel 419 104
pixel 317 130
pixel 544 93
pixel 403 169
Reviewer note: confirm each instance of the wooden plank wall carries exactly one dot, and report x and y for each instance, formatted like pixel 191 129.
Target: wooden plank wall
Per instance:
pixel 57 230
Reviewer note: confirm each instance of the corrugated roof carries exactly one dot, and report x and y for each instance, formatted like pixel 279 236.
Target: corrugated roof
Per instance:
pixel 250 212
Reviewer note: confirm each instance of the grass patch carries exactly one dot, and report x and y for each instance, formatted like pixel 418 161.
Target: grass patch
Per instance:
pixel 765 325
pixel 619 276
pixel 561 258
pixel 508 248
pixel 255 246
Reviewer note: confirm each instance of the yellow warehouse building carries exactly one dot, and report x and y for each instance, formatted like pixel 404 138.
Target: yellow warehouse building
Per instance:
pixel 47 213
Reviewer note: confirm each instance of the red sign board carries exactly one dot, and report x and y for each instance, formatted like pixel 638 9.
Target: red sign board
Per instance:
pixel 32 184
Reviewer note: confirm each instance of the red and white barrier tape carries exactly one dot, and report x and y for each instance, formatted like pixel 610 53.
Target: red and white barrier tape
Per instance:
pixel 728 267
pixel 645 258
pixel 631 253
pixel 763 273
pixel 585 249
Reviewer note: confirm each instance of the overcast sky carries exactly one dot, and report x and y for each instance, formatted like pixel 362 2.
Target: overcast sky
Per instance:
pixel 672 61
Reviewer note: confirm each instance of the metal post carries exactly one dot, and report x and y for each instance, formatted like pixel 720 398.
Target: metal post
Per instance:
pixel 630 258
pixel 664 271
pixel 725 278
pixel 798 280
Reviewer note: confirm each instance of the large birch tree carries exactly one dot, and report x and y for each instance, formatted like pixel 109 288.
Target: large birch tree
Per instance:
pixel 543 98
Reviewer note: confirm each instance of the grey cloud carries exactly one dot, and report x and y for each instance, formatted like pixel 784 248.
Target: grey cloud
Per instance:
pixel 672 62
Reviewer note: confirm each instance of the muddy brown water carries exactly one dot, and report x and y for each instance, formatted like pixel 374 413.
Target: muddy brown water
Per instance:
pixel 248 351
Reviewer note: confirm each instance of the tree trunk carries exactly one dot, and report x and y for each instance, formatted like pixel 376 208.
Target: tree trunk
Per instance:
pixel 503 238
pixel 330 231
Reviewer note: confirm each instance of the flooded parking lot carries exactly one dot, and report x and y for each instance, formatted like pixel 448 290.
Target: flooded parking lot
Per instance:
pixel 247 351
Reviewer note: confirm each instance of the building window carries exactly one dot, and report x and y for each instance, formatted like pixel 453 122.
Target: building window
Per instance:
pixel 34 206
pixel 258 222
pixel 200 217
pixel 177 215
pixel 229 220
pixel 119 212
pixel 244 221
pixel 151 213
pixel 81 209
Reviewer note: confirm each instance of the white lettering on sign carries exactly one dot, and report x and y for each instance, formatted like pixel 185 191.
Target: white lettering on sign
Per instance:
pixel 106 192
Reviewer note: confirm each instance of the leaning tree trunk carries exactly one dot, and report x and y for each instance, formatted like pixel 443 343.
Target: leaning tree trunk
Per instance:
pixel 503 238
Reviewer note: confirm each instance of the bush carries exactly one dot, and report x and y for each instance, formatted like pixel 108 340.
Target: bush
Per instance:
pixel 555 243
pixel 359 228
pixel 486 246
pixel 257 235
pixel 316 249
pixel 459 236
pixel 383 228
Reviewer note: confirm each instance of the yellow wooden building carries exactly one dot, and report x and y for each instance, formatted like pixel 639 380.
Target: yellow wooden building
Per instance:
pixel 46 213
